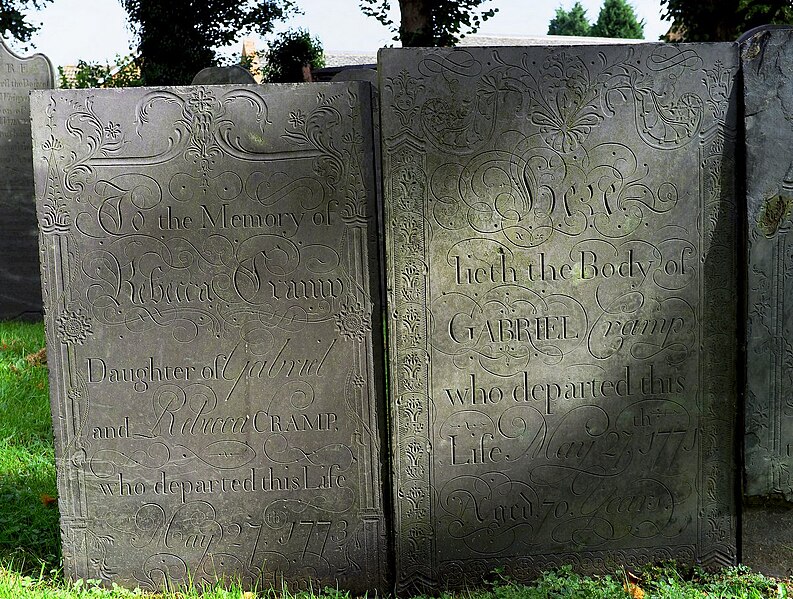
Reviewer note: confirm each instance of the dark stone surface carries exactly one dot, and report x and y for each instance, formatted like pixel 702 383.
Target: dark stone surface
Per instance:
pixel 768 97
pixel 369 75
pixel 767 56
pixel 20 281
pixel 767 539
pixel 213 326
pixel 560 228
pixel 223 75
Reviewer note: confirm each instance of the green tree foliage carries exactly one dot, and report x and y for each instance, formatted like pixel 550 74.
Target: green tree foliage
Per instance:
pixel 722 20
pixel 572 22
pixel 14 23
pixel 617 19
pixel 430 22
pixel 289 53
pixel 178 38
pixel 122 73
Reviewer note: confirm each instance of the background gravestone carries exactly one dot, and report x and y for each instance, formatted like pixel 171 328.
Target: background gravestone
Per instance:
pixel 211 283
pixel 767 57
pixel 560 228
pixel 223 75
pixel 20 282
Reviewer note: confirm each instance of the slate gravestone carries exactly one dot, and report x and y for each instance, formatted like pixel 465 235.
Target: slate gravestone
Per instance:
pixel 560 229
pixel 20 283
pixel 223 75
pixel 356 74
pixel 767 56
pixel 210 276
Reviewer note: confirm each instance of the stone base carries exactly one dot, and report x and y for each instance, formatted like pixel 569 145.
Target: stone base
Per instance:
pixel 767 545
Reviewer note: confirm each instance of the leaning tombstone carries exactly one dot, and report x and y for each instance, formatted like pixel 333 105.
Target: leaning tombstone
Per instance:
pixel 20 282
pixel 767 57
pixel 560 233
pixel 211 285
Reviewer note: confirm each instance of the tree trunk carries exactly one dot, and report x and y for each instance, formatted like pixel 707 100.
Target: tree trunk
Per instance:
pixel 415 27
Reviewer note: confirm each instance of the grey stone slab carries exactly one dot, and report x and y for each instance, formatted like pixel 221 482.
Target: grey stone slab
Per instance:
pixel 223 75
pixel 767 57
pixel 560 227
pixel 213 328
pixel 20 282
pixel 767 537
pixel 369 75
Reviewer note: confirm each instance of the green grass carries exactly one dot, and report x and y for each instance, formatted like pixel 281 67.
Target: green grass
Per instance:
pixel 28 514
pixel 30 543
pixel 664 582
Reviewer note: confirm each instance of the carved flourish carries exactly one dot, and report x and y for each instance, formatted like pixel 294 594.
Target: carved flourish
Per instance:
pixel 403 91
pixel 55 217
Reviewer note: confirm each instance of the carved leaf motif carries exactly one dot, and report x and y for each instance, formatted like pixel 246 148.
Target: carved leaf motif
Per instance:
pixel 566 104
pixel 316 130
pixel 458 127
pixel 404 91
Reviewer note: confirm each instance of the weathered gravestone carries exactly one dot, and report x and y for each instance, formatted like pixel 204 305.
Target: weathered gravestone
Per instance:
pixel 223 75
pixel 211 290
pixel 20 283
pixel 560 227
pixel 767 58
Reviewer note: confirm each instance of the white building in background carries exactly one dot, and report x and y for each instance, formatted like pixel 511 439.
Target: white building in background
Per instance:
pixel 542 40
pixel 249 53
pixel 336 61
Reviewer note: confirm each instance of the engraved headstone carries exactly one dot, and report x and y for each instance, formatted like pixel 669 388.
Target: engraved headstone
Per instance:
pixel 767 56
pixel 356 74
pixel 560 230
pixel 210 265
pixel 20 282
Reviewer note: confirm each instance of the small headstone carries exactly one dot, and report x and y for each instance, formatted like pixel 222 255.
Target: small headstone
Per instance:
pixel 213 329
pixel 223 76
pixel 353 74
pixel 20 282
pixel 767 56
pixel 560 234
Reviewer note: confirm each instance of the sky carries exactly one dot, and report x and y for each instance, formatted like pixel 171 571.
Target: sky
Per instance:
pixel 96 30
